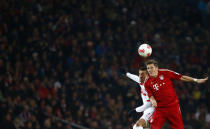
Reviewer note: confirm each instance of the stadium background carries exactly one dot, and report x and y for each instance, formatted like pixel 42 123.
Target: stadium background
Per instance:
pixel 60 60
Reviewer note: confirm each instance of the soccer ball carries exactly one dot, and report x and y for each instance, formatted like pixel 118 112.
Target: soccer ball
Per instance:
pixel 145 50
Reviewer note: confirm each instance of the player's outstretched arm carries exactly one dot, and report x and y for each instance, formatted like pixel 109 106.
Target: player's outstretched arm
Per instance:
pixel 133 77
pixel 202 80
pixel 190 79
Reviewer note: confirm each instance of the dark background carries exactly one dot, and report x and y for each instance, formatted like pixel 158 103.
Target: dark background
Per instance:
pixel 62 58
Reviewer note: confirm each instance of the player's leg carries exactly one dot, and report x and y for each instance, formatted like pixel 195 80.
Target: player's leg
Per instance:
pixel 139 127
pixel 147 115
pixel 157 120
pixel 175 118
pixel 142 122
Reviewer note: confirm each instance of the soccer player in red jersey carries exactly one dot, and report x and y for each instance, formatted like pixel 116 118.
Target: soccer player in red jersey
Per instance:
pixel 163 96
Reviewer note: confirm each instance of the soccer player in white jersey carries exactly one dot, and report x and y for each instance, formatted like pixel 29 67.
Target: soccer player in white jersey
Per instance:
pixel 147 107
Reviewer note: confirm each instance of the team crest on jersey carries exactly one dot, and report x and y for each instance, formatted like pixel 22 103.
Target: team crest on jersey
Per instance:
pixel 161 77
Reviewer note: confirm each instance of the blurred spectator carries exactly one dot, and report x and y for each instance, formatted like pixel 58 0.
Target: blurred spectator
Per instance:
pixel 62 59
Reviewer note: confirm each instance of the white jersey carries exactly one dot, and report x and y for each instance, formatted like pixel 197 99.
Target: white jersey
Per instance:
pixel 144 94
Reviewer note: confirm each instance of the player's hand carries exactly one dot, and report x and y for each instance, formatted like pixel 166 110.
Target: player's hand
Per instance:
pixel 202 80
pixel 153 101
pixel 123 70
pixel 131 112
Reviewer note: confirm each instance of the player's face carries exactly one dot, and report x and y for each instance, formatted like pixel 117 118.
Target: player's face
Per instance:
pixel 152 70
pixel 142 75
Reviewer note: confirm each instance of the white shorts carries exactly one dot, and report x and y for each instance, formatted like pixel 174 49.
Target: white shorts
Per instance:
pixel 147 114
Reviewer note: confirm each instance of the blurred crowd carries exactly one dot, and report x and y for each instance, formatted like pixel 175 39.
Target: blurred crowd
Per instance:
pixel 61 59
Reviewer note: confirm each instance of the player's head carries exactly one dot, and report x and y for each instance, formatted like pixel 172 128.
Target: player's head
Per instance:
pixel 152 67
pixel 142 73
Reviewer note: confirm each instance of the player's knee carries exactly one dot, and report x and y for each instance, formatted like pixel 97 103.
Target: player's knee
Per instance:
pixel 137 127
pixel 141 122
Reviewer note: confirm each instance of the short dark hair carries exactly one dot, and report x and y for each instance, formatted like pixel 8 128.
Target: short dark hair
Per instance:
pixel 151 61
pixel 143 68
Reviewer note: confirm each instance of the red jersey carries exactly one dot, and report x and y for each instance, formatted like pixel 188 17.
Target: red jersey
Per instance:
pixel 162 88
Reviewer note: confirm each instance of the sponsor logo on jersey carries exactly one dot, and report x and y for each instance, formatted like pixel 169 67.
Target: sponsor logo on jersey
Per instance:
pixel 156 86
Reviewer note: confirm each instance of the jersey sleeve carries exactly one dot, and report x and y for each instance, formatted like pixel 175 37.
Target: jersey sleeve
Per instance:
pixel 147 88
pixel 174 75
pixel 133 77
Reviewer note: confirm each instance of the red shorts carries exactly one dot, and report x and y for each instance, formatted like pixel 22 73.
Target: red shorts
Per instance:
pixel 172 114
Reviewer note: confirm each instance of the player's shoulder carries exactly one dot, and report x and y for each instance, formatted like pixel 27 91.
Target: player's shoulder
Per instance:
pixel 167 71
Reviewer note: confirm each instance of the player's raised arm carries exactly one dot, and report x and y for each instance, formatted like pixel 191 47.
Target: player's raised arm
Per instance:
pixel 185 78
pixel 133 77
pixel 190 79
